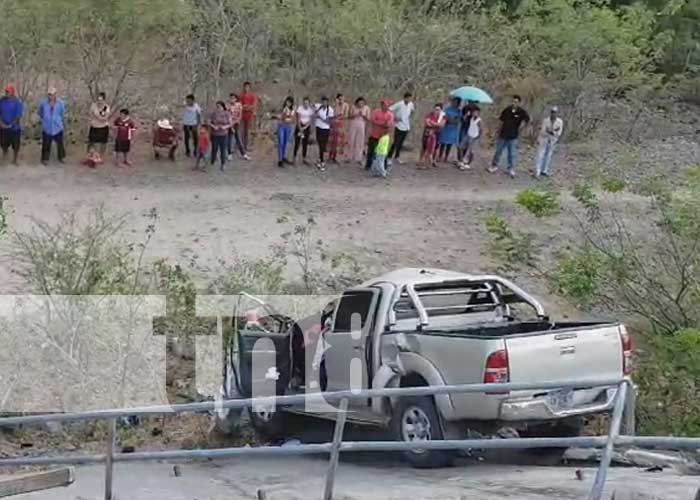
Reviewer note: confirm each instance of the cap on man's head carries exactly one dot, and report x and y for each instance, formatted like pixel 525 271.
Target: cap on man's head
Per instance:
pixel 10 89
pixel 555 109
pixel 385 102
pixel 52 91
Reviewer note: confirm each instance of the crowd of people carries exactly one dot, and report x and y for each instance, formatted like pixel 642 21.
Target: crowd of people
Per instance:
pixel 342 132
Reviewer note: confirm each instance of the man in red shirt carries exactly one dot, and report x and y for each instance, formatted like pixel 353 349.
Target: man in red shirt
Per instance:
pixel 249 101
pixel 381 122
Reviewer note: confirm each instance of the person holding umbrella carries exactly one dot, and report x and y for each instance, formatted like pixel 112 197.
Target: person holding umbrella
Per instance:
pixel 512 119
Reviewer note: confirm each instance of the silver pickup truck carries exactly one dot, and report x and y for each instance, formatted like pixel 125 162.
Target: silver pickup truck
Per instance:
pixel 429 327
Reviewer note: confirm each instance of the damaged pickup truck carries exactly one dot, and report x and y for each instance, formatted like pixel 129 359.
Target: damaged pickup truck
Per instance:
pixel 429 327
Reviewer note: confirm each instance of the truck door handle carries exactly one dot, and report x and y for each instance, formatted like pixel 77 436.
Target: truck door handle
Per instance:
pixel 567 350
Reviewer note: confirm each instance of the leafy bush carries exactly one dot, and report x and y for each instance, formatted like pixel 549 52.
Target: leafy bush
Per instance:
pixel 613 185
pixel 668 379
pixel 510 247
pixel 538 202
pixel 257 276
pixel 75 257
pixel 583 193
pixel 578 275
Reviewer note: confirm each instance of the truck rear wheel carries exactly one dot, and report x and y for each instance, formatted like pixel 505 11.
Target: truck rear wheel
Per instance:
pixel 416 420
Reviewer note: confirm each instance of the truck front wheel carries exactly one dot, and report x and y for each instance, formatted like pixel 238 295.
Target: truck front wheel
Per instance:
pixel 416 420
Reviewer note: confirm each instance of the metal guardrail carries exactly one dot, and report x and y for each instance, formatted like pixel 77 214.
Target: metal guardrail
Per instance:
pixel 335 447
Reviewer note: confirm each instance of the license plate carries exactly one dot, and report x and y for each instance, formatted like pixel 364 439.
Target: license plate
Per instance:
pixel 561 400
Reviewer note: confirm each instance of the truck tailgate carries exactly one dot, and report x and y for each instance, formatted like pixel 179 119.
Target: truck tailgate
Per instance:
pixel 579 353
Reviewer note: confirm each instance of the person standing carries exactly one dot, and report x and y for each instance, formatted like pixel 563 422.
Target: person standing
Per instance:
pixel 191 120
pixel 324 117
pixel 433 124
pixel 449 135
pixel 512 119
pixel 11 111
pixel 302 132
pixel 381 121
pixel 51 113
pixel 203 145
pixel 219 125
pixel 550 132
pixel 467 111
pixel 473 130
pixel 235 108
pixel 100 114
pixel 249 101
pixel 124 130
pixel 358 116
pixel 285 130
pixel 402 113
pixel 338 137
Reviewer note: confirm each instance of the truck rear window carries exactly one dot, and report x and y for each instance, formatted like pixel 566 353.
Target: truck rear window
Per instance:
pixel 454 300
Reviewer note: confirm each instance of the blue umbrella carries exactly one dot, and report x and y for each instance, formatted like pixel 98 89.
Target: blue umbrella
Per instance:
pixel 472 94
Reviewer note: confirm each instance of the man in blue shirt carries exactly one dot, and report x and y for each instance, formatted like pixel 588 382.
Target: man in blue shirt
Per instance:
pixel 52 112
pixel 11 110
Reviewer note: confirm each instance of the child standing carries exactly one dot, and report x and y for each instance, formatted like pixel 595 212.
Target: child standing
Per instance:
pixel 124 127
pixel 203 146
pixel 380 154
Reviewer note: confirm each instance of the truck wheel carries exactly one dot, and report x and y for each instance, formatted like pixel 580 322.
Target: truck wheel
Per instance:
pixel 415 420
pixel 269 423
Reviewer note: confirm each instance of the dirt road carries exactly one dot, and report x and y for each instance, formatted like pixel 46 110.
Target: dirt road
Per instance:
pixel 432 218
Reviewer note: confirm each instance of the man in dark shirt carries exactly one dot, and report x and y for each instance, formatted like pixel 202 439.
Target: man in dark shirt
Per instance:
pixel 512 119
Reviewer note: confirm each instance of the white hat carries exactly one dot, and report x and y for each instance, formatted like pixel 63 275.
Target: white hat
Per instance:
pixel 164 123
pixel 555 109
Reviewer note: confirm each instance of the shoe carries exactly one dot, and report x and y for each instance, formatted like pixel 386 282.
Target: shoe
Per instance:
pixel 492 170
pixel 230 157
pixel 246 157
pixel 545 174
pixel 464 167
pixel 511 173
pixel 389 162
pixel 127 163
pixel 305 162
pixel 400 161
pixel 45 163
pixel 280 164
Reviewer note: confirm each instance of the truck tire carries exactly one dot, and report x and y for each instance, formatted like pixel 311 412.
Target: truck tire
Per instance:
pixel 268 424
pixel 416 419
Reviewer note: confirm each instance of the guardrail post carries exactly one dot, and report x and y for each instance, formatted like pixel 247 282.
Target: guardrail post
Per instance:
pixel 630 425
pixel 602 473
pixel 335 449
pixel 109 457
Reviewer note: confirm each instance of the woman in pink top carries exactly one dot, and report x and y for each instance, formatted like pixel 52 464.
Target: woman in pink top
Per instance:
pixel 358 115
pixel 236 109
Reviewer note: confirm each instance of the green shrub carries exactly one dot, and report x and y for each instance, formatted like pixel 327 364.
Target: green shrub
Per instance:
pixel 669 385
pixel 509 247
pixel 577 276
pixel 583 192
pixel 538 202
pixel 613 185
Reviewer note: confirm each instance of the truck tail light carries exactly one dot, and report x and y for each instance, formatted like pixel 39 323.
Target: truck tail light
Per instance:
pixel 497 371
pixel 627 348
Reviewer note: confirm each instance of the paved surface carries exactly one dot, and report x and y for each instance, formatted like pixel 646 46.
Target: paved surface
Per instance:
pixel 362 478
